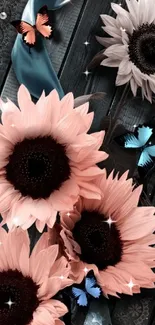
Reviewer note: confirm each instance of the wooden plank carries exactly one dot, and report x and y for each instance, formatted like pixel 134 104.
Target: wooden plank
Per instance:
pixel 65 22
pixel 72 76
pixel 7 33
pixel 135 111
pixel 10 87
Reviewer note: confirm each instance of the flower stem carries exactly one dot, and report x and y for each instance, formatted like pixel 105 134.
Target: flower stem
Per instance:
pixel 114 118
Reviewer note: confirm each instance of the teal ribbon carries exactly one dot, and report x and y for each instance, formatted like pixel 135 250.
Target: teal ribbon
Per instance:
pixel 35 69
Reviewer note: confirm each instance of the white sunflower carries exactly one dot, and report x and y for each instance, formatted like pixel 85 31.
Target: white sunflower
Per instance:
pixel 131 46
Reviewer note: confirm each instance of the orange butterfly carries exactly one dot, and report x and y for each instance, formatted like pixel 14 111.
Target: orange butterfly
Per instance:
pixel 29 32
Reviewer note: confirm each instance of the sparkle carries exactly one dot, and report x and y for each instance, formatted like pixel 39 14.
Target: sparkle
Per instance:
pixel 61 277
pixel 0 243
pixel 134 126
pixel 109 221
pixel 93 236
pixel 97 318
pixel 9 303
pixel 68 214
pixel 15 221
pixel 13 125
pixel 122 29
pixel 87 73
pixel 3 15
pixel 86 43
pixel 85 270
pixel 130 285
pixel 64 2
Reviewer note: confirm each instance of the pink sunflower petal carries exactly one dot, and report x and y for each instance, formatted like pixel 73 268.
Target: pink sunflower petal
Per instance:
pixel 61 201
pixel 60 267
pixel 59 322
pixel 53 135
pixel 24 260
pixel 61 309
pixel 43 316
pixel 52 219
pixel 70 186
pixel 88 173
pixel 21 270
pixel 145 224
pixel 24 98
pixel 37 269
pixel 68 219
pixel 65 128
pixel 54 287
pixel 83 109
pixel 40 245
pixel 50 109
pixel 15 241
pixel 3 250
pixel 30 221
pixel 40 225
pixel 9 197
pixel 67 104
pixel 134 226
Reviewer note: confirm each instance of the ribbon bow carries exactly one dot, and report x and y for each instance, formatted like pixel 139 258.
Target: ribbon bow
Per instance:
pixel 35 70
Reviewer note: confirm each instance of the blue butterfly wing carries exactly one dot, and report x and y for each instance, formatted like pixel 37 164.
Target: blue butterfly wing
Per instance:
pixel 81 295
pixel 151 151
pixel 93 291
pixel 132 142
pixel 144 134
pixel 144 159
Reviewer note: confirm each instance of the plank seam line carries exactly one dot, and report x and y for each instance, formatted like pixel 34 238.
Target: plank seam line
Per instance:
pixel 72 37
pixel 5 76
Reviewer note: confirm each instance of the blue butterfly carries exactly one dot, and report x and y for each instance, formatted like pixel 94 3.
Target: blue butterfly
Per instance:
pixel 90 289
pixel 147 151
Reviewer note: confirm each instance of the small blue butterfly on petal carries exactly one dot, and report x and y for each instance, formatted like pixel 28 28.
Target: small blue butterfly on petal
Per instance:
pixel 141 142
pixel 90 290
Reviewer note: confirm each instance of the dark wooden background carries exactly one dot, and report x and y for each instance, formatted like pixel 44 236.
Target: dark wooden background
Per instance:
pixel 74 24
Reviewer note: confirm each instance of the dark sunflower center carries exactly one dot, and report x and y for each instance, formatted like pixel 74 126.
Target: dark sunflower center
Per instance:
pixel 38 166
pixel 142 48
pixel 18 298
pixel 100 243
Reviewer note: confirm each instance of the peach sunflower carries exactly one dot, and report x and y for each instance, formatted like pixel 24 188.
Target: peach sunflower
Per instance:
pixel 112 237
pixel 28 282
pixel 47 158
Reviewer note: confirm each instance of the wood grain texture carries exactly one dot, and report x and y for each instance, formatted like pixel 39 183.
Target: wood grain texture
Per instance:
pixel 73 25
pixel 72 75
pixel 64 24
pixel 135 111
pixel 65 20
pixel 13 10
pixel 10 87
